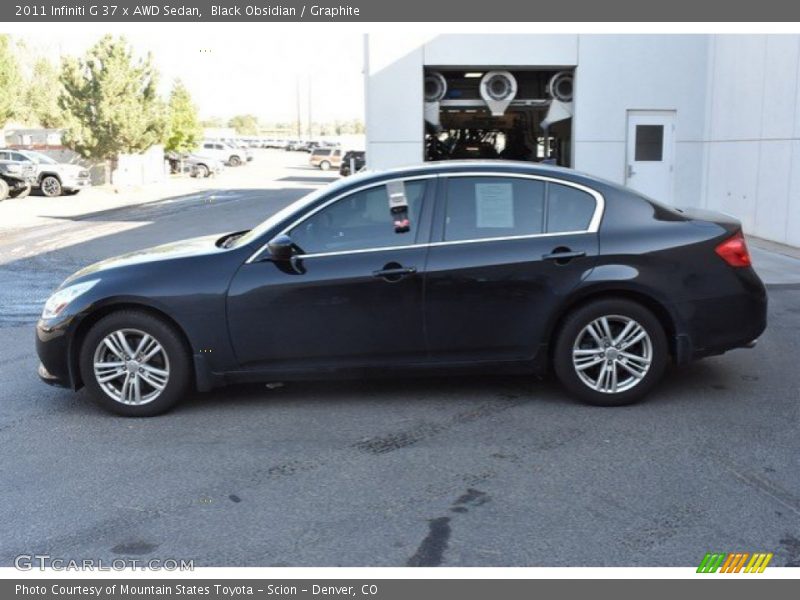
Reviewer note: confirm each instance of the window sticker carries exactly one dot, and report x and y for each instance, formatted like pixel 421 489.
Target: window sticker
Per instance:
pixel 494 205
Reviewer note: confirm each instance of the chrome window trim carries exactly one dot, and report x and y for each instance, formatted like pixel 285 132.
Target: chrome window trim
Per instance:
pixel 594 223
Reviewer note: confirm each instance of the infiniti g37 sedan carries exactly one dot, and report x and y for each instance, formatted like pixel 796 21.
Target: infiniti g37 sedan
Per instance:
pixel 497 266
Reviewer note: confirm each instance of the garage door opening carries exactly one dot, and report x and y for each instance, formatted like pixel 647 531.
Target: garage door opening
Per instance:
pixel 480 113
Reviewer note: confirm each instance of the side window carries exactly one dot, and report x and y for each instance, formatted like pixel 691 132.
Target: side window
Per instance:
pixel 208 146
pixel 359 221
pixel 488 207
pixel 568 208
pixel 219 147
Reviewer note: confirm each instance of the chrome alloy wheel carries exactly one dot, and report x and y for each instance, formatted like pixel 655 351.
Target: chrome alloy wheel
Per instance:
pixel 612 354
pixel 131 366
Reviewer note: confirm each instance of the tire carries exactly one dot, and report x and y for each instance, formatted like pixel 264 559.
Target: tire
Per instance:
pixel 614 382
pixel 235 161
pixel 21 193
pixel 203 171
pixel 170 367
pixel 4 190
pixel 325 165
pixel 50 186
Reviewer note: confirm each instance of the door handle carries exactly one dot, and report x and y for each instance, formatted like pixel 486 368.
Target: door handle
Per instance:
pixel 631 172
pixel 562 256
pixel 394 273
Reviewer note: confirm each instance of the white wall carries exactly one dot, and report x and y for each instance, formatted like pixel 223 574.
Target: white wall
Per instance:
pixel 752 166
pixel 735 99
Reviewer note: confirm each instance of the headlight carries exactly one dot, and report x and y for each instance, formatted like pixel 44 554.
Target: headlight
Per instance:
pixel 60 300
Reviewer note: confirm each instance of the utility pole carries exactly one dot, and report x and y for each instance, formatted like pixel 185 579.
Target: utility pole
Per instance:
pixel 309 107
pixel 297 102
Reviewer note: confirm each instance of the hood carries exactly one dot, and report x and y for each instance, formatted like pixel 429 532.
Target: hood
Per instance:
pixel 198 246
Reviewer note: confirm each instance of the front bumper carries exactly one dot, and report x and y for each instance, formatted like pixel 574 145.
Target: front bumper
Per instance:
pixel 52 347
pixel 76 184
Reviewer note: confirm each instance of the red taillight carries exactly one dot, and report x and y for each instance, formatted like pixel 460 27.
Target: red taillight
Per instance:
pixel 734 251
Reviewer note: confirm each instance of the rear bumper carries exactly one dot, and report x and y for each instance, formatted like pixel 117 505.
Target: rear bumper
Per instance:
pixel 716 325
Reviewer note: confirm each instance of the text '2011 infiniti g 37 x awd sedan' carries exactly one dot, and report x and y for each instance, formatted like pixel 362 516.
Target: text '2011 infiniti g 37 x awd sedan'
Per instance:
pixel 499 266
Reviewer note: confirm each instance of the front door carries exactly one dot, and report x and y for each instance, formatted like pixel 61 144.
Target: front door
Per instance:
pixel 352 297
pixel 510 250
pixel 651 153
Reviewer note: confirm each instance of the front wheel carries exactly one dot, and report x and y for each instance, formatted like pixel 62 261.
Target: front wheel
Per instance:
pixel 235 161
pixel 135 364
pixel 50 186
pixel 610 352
pixel 4 190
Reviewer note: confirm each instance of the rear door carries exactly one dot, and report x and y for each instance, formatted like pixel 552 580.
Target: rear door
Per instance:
pixel 509 249
pixel 651 152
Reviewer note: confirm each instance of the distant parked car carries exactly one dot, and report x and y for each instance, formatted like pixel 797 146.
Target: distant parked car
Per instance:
pixel 194 164
pixel 352 158
pixel 16 178
pixel 325 158
pixel 221 151
pixel 53 178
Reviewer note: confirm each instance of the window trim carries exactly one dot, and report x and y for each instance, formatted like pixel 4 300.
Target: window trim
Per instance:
pixel 594 223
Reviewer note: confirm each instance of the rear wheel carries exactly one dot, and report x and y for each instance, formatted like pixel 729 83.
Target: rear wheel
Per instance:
pixel 325 165
pixel 235 161
pixel 135 364
pixel 610 352
pixel 50 186
pixel 4 190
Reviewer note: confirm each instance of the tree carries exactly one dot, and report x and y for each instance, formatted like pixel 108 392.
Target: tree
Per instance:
pixel 111 101
pixel 244 124
pixel 9 81
pixel 183 127
pixel 42 96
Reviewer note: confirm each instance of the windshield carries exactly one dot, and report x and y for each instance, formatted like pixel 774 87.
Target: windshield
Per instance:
pixel 287 211
pixel 40 158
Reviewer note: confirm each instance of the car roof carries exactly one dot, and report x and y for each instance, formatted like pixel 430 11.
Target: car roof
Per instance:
pixel 494 166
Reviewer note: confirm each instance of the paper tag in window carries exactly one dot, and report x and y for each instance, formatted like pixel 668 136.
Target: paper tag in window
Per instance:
pixel 494 205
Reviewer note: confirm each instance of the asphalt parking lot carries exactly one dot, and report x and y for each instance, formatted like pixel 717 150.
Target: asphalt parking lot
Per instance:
pixel 467 471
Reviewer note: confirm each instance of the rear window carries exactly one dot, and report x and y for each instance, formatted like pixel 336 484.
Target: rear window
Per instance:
pixel 490 207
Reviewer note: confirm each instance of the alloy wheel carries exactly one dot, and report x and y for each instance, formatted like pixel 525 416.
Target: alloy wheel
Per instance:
pixel 131 366
pixel 612 354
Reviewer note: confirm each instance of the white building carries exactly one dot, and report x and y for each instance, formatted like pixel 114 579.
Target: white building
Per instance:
pixel 700 120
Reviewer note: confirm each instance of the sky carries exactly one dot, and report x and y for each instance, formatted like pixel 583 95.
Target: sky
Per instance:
pixel 246 73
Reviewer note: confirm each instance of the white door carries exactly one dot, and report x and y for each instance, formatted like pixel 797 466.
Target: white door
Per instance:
pixel 651 153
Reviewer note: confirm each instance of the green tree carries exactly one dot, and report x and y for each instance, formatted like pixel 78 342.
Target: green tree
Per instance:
pixel 183 127
pixel 42 96
pixel 111 101
pixel 244 124
pixel 9 81
pixel 214 122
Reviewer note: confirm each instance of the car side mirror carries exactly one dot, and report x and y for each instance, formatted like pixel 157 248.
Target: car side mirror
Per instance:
pixel 281 247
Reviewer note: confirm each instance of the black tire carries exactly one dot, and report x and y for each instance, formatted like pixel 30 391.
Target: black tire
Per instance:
pixel 178 357
pixel 203 171
pixel 618 310
pixel 325 165
pixel 235 161
pixel 4 190
pixel 50 186
pixel 21 193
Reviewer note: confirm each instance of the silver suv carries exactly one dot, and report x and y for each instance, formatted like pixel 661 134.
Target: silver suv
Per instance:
pixel 16 178
pixel 53 178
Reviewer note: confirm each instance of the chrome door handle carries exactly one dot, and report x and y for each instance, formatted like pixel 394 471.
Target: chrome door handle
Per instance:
pixel 631 172
pixel 394 273
pixel 563 256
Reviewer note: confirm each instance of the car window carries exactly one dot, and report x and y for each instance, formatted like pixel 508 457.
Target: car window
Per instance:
pixel 489 207
pixel 4 156
pixel 359 221
pixel 568 208
pixel 322 152
pixel 20 157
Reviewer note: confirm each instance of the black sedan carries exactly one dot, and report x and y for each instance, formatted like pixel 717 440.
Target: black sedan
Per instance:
pixel 498 266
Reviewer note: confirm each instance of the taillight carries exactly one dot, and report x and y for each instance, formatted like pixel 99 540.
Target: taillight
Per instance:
pixel 734 251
